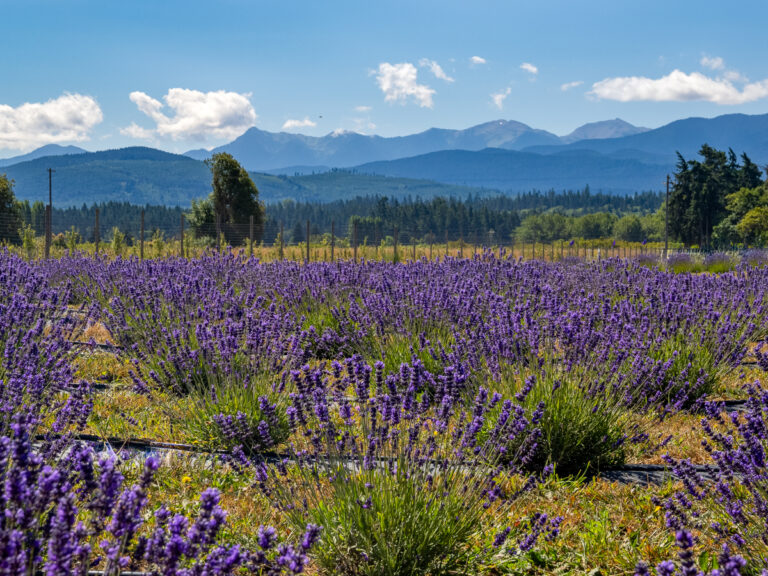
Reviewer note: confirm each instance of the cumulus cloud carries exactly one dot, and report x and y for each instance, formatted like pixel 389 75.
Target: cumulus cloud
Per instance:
pixel 68 118
pixel 292 123
pixel 435 68
pixel 715 63
pixel 477 60
pixel 197 115
pixel 399 82
pixel 499 97
pixel 363 108
pixel 568 85
pixel 528 67
pixel 678 86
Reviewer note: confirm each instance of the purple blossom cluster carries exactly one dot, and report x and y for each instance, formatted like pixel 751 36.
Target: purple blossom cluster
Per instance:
pixel 405 450
pixel 72 515
pixel 66 512
pixel 735 488
pixel 188 324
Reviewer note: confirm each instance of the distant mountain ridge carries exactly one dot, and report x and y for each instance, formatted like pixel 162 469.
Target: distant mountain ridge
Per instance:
pixel 741 132
pixel 520 171
pixel 43 151
pixel 261 150
pixel 277 152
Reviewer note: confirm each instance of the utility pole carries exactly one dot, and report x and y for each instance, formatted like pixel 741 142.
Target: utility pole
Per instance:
pixel 666 222
pixel 50 186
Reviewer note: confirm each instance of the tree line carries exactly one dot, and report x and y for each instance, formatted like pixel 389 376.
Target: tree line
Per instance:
pixel 717 201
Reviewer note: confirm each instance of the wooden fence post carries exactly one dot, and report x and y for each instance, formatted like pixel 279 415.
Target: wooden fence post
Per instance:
pixel 48 234
pixel 96 230
pixel 250 236
pixel 141 237
pixel 354 241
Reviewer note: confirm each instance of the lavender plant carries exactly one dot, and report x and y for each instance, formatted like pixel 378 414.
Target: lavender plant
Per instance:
pixel 401 479
pixel 732 509
pixel 586 424
pixel 75 514
pixel 252 417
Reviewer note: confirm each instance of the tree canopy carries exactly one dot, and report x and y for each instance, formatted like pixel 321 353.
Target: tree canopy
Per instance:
pixel 10 212
pixel 698 202
pixel 232 202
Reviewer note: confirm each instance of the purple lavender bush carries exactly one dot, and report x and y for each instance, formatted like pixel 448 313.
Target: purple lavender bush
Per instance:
pixel 400 478
pixel 75 514
pixel 736 498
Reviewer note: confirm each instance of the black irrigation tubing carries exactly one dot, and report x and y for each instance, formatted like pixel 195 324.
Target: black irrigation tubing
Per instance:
pixel 642 474
pixel 111 347
pixel 100 346
pixel 141 444
pixel 102 573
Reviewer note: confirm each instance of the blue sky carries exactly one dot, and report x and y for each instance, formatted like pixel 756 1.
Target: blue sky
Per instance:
pixel 185 74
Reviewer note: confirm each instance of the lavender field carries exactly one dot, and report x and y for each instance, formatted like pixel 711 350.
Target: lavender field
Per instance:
pixel 221 415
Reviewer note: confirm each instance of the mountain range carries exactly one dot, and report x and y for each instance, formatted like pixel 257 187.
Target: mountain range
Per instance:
pixel 268 151
pixel 500 156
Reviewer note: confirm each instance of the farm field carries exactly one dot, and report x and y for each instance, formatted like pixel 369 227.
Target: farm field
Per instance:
pixel 478 415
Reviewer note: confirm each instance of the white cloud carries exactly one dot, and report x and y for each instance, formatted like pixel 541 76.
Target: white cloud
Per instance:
pixel 499 97
pixel 292 123
pixel 715 63
pixel 197 115
pixel 528 67
pixel 68 118
pixel 363 108
pixel 362 125
pixel 435 68
pixel 678 86
pixel 734 76
pixel 477 60
pixel 568 85
pixel 399 82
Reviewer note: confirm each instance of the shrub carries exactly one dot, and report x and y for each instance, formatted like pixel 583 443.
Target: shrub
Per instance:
pixel 718 263
pixel 232 414
pixel 586 421
pixel 683 263
pixel 400 480
pixel 72 514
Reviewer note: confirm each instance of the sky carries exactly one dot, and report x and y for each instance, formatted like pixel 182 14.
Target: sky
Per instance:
pixel 179 75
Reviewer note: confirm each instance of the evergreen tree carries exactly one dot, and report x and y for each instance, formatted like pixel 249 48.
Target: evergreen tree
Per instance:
pixel 233 200
pixel 10 212
pixel 697 203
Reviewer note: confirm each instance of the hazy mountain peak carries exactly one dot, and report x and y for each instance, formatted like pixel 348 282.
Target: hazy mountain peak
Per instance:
pixel 615 128
pixel 47 150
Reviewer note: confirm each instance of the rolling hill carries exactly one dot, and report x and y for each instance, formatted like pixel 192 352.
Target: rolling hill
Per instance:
pixel 149 176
